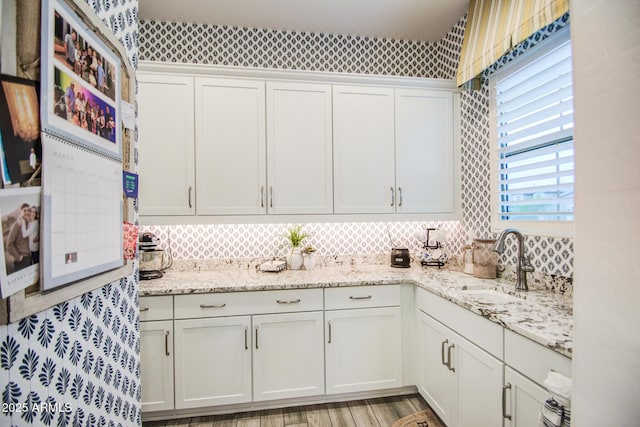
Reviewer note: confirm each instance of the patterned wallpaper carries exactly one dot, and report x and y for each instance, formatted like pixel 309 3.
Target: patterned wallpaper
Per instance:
pixel 246 47
pixel 77 364
pixel 284 50
pixel 330 239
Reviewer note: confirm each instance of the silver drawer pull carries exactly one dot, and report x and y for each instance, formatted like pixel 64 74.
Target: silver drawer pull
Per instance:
pixel 367 297
pixel 451 368
pixel 213 305
pixel 506 387
pixel 256 337
pixel 144 309
pixel 291 301
pixel 445 342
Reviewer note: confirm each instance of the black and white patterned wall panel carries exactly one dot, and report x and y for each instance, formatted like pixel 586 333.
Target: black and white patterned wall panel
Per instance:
pixel 267 240
pixel 244 47
pixel 77 363
pixel 449 49
pixel 285 50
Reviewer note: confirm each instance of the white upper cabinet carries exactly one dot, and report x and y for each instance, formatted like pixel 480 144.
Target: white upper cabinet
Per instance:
pixel 363 144
pixel 165 145
pixel 299 148
pixel 218 144
pixel 425 177
pixel 230 146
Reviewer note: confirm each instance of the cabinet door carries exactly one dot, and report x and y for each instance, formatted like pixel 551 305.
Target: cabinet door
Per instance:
pixel 165 145
pixel 363 349
pixel 156 365
pixel 288 357
pixel 435 381
pixel 299 148
pixel 212 361
pixel 478 385
pixel 524 400
pixel 363 144
pixel 424 151
pixel 230 146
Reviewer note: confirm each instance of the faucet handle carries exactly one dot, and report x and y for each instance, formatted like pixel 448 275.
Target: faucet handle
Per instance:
pixel 526 265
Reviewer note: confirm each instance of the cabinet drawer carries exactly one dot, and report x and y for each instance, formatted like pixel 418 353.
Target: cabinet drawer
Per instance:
pixel 362 297
pixel 241 303
pixel 482 332
pixel 156 308
pixel 533 359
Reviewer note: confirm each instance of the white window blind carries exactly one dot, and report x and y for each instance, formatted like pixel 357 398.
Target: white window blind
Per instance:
pixel 534 135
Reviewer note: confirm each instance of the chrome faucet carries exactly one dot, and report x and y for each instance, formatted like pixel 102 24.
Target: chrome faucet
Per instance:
pixel 524 265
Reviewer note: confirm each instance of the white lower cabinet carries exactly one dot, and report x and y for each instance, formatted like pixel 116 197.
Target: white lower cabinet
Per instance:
pixel 212 361
pixel 528 364
pixel 288 355
pixel 459 380
pixel 434 377
pixel 205 350
pixel 478 381
pixel 156 352
pixel 363 349
pixel 522 399
pixel 156 365
pixel 228 352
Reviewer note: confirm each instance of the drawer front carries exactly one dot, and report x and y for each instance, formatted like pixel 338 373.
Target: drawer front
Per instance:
pixel 156 308
pixel 533 359
pixel 482 332
pixel 246 303
pixel 362 297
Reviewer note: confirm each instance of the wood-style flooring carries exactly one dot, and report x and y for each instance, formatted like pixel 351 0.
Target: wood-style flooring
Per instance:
pixel 382 412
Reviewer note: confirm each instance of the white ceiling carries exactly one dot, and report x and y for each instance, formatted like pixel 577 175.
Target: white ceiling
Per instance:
pixel 423 20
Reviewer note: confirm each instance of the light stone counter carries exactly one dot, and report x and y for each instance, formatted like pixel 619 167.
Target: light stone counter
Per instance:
pixel 540 315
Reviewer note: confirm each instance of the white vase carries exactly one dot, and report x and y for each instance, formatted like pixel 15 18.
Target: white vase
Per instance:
pixel 309 261
pixel 294 260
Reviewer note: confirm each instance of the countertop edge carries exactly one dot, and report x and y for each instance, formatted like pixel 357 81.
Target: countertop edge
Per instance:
pixel 561 347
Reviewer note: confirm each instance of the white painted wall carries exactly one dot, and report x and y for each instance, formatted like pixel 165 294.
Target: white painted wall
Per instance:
pixel 606 363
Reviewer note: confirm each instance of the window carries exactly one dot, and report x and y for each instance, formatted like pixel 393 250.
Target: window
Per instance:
pixel 532 137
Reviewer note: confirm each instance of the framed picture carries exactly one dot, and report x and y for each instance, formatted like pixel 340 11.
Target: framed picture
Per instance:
pixel 20 148
pixel 20 254
pixel 80 86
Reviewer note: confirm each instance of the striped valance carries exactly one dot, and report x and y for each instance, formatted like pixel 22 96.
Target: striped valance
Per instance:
pixel 496 26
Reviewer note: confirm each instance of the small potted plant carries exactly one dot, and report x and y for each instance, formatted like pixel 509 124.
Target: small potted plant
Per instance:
pixel 308 257
pixel 295 236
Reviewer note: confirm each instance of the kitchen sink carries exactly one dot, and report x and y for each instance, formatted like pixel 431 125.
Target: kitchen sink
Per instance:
pixel 491 296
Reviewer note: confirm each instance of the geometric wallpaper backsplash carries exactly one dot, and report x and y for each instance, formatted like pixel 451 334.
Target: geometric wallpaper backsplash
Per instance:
pixel 77 363
pixel 290 50
pixel 266 240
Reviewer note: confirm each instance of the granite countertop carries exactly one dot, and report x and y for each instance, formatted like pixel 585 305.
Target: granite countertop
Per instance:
pixel 543 316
